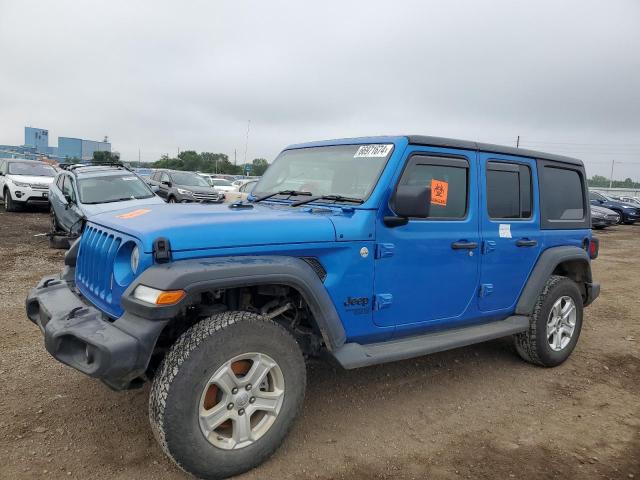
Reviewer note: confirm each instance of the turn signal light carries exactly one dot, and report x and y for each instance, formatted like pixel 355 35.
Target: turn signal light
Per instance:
pixel 170 297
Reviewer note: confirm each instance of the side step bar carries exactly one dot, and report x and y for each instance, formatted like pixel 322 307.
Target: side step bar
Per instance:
pixel 354 355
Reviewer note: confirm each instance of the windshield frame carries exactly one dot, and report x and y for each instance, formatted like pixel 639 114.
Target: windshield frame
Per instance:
pixel 79 194
pixel 374 184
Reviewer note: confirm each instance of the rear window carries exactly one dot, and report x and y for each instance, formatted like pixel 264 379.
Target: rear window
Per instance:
pixel 508 190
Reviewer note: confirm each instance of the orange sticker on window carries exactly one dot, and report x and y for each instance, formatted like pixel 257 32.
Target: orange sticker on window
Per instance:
pixel 439 192
pixel 134 214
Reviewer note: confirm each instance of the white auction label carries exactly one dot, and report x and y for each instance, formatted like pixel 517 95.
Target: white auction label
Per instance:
pixel 373 151
pixel 505 230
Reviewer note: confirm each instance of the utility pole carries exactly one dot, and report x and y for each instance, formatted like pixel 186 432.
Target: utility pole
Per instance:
pixel 611 175
pixel 138 157
pixel 518 142
pixel 235 157
pixel 246 143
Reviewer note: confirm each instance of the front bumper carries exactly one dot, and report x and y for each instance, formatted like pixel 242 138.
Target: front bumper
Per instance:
pixel 29 195
pixel 79 335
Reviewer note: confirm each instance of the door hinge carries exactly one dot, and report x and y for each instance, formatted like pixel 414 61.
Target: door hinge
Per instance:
pixel 384 250
pixel 488 246
pixel 486 289
pixel 382 300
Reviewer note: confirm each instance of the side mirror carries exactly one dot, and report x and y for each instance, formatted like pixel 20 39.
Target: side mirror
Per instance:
pixel 409 201
pixel 166 183
pixel 68 199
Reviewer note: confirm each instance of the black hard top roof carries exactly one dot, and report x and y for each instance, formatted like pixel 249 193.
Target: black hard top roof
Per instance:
pixel 488 147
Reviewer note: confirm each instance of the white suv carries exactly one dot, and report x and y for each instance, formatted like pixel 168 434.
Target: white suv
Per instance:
pixel 24 182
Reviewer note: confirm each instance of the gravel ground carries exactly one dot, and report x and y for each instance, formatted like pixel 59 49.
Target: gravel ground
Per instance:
pixel 476 412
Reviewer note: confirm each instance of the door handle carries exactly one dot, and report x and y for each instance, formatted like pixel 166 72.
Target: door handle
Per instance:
pixel 525 242
pixel 462 245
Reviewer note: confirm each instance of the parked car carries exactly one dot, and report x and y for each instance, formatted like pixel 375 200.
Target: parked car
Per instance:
pixel 176 186
pixel 629 213
pixel 243 191
pixel 603 217
pixel 80 191
pixel 416 245
pixel 24 182
pixel 219 183
pixel 632 200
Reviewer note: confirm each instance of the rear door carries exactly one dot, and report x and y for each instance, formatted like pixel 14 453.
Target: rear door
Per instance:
pixel 510 225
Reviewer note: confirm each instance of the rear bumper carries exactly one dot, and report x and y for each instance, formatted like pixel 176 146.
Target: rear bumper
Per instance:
pixel 79 335
pixel 593 291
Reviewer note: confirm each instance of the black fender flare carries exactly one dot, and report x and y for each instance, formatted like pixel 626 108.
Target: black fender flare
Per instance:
pixel 198 275
pixel 546 264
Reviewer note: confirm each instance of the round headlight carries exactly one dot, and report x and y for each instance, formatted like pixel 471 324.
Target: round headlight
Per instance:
pixel 135 259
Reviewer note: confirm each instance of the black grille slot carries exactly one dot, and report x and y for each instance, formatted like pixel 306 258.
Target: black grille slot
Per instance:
pixel 317 267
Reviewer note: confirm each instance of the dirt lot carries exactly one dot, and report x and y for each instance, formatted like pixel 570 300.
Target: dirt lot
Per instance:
pixel 477 412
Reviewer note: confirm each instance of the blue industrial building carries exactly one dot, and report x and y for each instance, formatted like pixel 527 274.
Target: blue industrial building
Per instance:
pixel 36 146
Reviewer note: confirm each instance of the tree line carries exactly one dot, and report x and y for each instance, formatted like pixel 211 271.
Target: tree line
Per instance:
pixel 210 163
pixel 598 181
pixel 191 160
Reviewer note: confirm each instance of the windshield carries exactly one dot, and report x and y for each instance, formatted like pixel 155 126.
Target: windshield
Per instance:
pixel 35 169
pixel 188 179
pixel 345 170
pixel 112 188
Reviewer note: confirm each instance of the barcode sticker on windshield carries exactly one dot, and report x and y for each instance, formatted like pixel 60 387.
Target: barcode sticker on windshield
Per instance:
pixel 373 151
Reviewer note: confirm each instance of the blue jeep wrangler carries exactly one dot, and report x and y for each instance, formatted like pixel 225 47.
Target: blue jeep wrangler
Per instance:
pixel 367 250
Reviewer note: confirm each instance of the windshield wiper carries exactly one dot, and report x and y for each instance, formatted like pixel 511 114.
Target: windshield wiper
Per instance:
pixel 335 198
pixel 281 192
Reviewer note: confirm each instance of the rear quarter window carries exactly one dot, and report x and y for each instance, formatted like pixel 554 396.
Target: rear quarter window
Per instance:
pixel 563 196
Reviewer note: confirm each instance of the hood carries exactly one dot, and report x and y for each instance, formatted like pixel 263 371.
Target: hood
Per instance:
pixel 200 226
pixel 94 209
pixel 35 179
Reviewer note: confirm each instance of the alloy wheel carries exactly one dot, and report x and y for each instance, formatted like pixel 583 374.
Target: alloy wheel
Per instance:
pixel 561 323
pixel 241 401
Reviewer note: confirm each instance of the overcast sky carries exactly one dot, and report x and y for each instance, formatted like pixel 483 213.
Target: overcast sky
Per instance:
pixel 564 75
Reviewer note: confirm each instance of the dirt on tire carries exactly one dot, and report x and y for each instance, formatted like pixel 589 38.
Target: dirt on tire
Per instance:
pixel 477 412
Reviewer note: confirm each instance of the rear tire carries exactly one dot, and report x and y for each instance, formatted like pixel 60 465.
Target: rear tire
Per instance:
pixel 186 376
pixel 548 342
pixel 171 200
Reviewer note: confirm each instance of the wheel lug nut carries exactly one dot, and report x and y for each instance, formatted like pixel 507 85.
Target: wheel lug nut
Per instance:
pixel 252 399
pixel 234 390
pixel 241 411
pixel 248 387
pixel 230 406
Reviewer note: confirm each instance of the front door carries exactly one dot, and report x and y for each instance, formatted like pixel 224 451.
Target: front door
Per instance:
pixel 510 229
pixel 426 272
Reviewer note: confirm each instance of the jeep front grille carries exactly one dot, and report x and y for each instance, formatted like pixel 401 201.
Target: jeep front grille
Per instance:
pixel 94 267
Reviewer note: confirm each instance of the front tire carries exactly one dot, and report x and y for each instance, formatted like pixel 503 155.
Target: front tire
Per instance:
pixel 226 394
pixel 9 203
pixel 555 325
